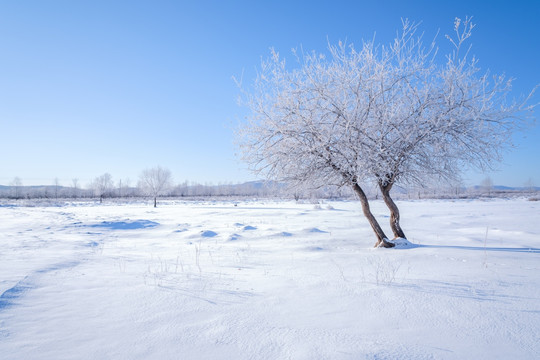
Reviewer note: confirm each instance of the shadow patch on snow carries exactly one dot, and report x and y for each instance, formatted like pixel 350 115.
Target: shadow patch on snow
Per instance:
pixel 315 248
pixel 316 230
pixel 208 233
pixel 283 234
pixel 126 225
pixel 234 237
pixel 58 266
pixel 10 296
pixel 248 228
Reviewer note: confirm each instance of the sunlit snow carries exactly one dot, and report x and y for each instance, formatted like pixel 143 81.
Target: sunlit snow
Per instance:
pixel 269 280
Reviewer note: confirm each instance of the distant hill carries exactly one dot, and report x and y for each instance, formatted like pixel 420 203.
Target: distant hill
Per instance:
pixel 507 188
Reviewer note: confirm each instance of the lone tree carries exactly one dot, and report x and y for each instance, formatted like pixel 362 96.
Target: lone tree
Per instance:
pixel 155 181
pixel 381 114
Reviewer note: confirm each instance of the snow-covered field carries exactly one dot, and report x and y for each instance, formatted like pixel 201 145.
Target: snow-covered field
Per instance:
pixel 269 280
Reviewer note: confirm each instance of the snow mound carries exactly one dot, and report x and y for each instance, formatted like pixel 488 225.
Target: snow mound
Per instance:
pixel 402 243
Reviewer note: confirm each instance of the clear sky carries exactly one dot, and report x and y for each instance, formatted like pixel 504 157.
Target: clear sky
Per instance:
pixel 89 87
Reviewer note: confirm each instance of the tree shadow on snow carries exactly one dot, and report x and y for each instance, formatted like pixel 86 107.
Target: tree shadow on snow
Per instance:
pixel 405 244
pixel 481 248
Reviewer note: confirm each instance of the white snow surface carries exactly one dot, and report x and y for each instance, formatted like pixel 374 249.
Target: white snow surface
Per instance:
pixel 269 280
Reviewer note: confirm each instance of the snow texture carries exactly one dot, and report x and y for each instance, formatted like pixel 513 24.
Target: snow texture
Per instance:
pixel 81 281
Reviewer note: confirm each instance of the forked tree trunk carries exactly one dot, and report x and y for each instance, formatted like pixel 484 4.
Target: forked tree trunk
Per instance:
pixel 394 211
pixel 382 240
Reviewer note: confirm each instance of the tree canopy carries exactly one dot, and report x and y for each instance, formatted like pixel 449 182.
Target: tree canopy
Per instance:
pixel 382 114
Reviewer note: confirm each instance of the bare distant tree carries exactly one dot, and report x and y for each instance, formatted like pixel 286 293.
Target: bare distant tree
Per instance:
pixel 529 184
pixel 56 185
pixel 155 182
pixel 102 185
pixel 120 188
pixel 487 185
pixel 380 114
pixel 75 183
pixel 16 184
pixel 455 187
pixel 127 185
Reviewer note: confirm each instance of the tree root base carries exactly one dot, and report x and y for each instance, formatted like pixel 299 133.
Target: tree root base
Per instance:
pixel 384 243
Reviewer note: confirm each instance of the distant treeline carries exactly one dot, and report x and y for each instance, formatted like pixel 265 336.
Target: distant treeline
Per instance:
pixel 257 189
pixel 248 189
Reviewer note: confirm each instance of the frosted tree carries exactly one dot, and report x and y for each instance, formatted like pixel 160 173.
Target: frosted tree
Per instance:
pixel 155 182
pixel 381 114
pixel 102 185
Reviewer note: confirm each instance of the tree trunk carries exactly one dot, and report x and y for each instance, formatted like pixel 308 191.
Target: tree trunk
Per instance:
pixel 155 201
pixel 382 240
pixel 394 211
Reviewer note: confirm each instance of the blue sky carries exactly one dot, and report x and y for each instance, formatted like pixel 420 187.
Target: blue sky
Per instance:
pixel 89 87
